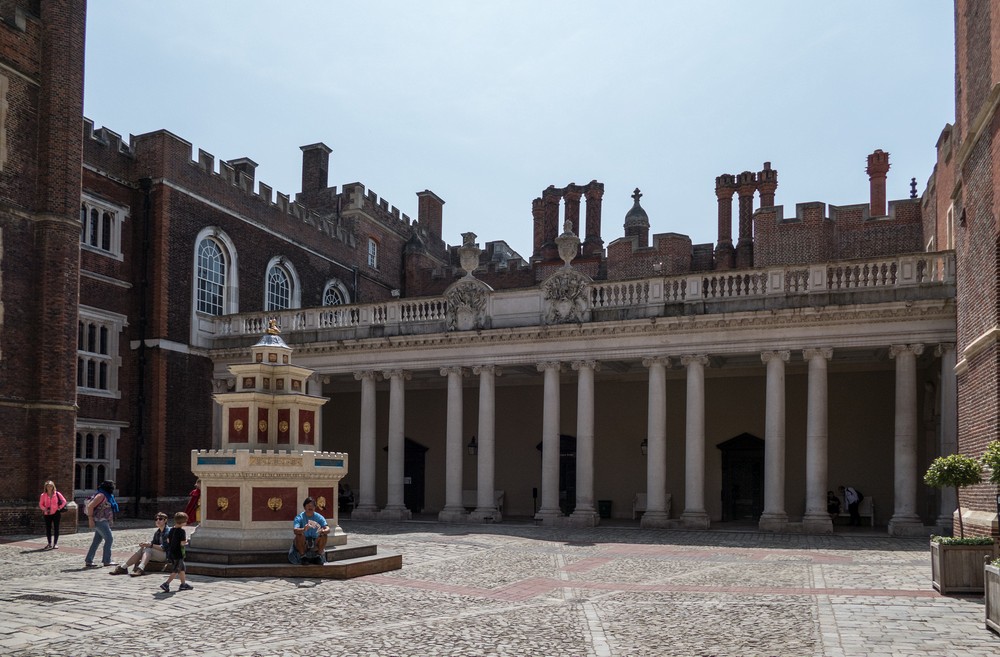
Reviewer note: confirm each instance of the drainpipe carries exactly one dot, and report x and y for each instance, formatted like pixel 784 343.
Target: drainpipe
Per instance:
pixel 146 185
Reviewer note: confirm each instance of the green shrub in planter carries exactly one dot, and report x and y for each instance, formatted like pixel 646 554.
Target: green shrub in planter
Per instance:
pixel 957 471
pixel 972 540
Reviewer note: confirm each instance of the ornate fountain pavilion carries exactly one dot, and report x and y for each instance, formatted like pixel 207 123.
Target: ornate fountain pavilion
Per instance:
pixel 694 399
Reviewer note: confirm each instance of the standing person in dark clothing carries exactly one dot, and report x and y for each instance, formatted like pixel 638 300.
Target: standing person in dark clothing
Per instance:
pixel 853 500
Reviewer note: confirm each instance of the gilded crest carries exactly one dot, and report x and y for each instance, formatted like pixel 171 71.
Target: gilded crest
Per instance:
pixel 222 503
pixel 321 503
pixel 307 427
pixel 283 426
pixel 274 503
pixel 238 425
pixel 262 426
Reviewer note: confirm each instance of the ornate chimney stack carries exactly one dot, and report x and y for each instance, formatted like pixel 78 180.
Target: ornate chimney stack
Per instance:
pixel 430 209
pixel 746 186
pixel 878 167
pixel 538 224
pixel 593 244
pixel 571 199
pixel 725 187
pixel 550 222
pixel 767 183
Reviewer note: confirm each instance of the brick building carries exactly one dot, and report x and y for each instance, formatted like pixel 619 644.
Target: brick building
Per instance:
pixel 731 363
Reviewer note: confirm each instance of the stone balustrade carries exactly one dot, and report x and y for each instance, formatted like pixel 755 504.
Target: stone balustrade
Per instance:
pixel 925 274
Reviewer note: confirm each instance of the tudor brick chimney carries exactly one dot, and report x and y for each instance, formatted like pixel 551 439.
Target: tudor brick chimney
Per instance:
pixel 430 210
pixel 315 167
pixel 878 166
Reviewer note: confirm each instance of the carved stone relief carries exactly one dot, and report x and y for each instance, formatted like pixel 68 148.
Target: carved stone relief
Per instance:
pixel 467 301
pixel 566 297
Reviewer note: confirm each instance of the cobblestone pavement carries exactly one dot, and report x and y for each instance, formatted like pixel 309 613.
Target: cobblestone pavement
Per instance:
pixel 509 589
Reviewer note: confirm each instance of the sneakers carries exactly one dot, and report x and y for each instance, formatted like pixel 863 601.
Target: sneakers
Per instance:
pixel 110 563
pixel 120 570
pixel 165 587
pixel 55 547
pixel 137 571
pixel 185 587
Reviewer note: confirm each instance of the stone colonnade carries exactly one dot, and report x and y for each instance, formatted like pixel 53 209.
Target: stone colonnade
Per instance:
pixel 904 520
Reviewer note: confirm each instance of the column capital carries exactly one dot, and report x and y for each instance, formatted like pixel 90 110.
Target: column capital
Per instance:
pixel 549 365
pixel 768 356
pixel 396 374
pixel 944 348
pixel 367 374
pixel 897 349
pixel 454 369
pixel 586 365
pixel 817 352
pixel 694 359
pixel 479 370
pixel 656 360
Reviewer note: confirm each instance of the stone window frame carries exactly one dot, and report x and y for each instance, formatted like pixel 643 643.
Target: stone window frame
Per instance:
pixel 95 453
pixel 97 356
pixel 335 293
pixel 101 225
pixel 372 253
pixel 280 264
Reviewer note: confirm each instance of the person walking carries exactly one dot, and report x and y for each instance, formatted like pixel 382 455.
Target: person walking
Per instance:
pixel 52 504
pixel 177 539
pixel 101 509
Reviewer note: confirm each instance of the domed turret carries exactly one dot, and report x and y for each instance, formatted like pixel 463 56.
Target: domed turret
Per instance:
pixel 637 221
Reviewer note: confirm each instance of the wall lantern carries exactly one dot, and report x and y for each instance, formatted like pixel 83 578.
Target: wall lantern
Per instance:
pixel 473 447
pixel 644 446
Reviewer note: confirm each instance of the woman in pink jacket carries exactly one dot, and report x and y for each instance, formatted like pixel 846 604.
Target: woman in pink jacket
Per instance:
pixel 51 503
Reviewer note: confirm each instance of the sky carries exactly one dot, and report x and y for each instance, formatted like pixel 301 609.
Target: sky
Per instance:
pixel 488 103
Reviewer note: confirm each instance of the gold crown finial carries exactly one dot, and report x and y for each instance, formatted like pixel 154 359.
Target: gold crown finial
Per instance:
pixel 272 327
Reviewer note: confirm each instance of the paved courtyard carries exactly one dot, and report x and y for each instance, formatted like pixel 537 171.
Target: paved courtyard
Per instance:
pixel 514 590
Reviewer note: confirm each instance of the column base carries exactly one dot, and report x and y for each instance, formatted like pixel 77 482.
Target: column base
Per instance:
pixel 584 518
pixel 453 514
pixel 549 516
pixel 773 522
pixel 394 513
pixel 485 514
pixel 365 513
pixel 655 520
pixel 817 523
pixel 695 520
pixel 909 525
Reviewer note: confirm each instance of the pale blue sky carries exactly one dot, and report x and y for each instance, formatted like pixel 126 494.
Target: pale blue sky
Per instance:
pixel 488 103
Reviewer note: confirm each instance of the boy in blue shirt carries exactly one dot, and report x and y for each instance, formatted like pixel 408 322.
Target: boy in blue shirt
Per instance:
pixel 311 531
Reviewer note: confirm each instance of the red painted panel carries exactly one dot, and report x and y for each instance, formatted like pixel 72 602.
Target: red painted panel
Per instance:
pixel 270 503
pixel 239 431
pixel 307 427
pixel 222 502
pixel 325 499
pixel 284 426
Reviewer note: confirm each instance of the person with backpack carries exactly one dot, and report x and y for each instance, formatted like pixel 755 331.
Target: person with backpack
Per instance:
pixel 853 500
pixel 52 504
pixel 101 508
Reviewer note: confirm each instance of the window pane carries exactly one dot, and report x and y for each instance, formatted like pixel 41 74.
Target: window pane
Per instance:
pixel 333 296
pixel 106 231
pixel 88 476
pixel 79 336
pixel 278 289
pixel 77 476
pixel 211 278
pixel 102 445
pixel 80 367
pixel 102 378
pixel 94 218
pixel 91 374
pixel 79 445
pixel 83 223
pixel 102 473
pixel 104 341
pixel 90 446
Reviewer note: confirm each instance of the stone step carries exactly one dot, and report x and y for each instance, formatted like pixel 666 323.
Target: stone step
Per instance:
pixel 344 568
pixel 350 550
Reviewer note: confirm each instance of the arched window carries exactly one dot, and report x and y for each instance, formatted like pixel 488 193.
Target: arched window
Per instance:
pixel 279 289
pixel 282 289
pixel 335 294
pixel 211 277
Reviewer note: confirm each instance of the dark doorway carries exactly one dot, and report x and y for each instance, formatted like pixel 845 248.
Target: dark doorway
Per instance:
pixel 567 473
pixel 742 478
pixel 414 457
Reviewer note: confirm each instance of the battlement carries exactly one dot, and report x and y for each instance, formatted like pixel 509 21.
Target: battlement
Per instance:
pixel 262 452
pixel 366 200
pixel 105 137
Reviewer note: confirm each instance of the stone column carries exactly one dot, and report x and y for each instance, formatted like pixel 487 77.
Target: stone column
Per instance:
pixel 584 515
pixel 395 508
pixel 948 436
pixel 817 519
pixel 774 517
pixel 695 516
pixel 453 510
pixel 366 508
pixel 486 508
pixel 905 521
pixel 550 510
pixel 656 514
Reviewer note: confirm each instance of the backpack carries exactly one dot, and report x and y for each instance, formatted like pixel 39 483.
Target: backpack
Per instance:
pixel 86 504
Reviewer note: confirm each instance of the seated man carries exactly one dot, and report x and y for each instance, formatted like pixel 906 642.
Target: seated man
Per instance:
pixel 311 530
pixel 152 551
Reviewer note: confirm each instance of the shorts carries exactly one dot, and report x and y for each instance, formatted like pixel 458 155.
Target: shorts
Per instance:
pixel 178 566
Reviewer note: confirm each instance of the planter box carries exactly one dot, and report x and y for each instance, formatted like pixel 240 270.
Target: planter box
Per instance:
pixel 958 568
pixel 992 576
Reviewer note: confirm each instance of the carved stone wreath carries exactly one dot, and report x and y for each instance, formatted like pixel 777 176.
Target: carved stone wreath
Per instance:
pixel 567 297
pixel 467 305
